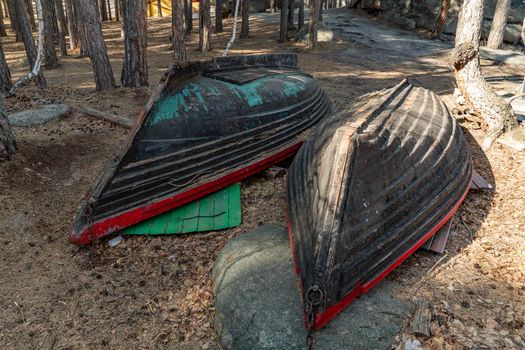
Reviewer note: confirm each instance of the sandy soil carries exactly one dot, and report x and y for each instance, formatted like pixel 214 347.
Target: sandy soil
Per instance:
pixel 155 293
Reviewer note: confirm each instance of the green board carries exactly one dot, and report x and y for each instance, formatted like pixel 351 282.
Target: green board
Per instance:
pixel 216 211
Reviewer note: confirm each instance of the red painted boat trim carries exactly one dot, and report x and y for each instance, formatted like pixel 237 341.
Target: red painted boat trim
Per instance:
pixel 116 223
pixel 322 319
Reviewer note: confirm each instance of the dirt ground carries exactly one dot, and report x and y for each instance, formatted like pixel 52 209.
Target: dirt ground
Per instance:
pixel 155 292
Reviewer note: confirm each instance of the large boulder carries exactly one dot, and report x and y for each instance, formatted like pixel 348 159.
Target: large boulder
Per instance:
pixel 258 305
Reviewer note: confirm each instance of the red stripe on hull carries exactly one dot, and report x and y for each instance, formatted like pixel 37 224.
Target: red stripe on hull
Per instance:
pixel 322 319
pixel 116 223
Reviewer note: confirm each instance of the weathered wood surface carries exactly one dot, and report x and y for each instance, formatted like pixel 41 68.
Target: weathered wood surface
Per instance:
pixel 124 122
pixel 422 317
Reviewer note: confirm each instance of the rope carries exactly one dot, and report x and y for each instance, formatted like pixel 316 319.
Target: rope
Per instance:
pixel 234 29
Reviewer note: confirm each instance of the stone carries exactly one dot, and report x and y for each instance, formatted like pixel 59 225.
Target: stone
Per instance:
pixel 37 116
pixel 258 304
pixel 324 34
pixel 402 21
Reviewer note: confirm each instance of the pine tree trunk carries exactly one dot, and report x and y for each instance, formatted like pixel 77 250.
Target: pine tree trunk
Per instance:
pixel 108 3
pixel 204 26
pixel 497 30
pixel 117 10
pixel 2 24
pixel 159 8
pixel 31 13
pixel 189 17
pixel 179 39
pixel 5 74
pixel 92 39
pixel 283 32
pixel 291 8
pixel 218 16
pixel 245 25
pixel 50 55
pixel 62 26
pixel 103 10
pixel 300 16
pixel 321 4
pixel 440 20
pixel 72 27
pixel 29 43
pixel 13 17
pixel 312 25
pixel 135 68
pixel 5 13
pixel 7 140
pixel 477 93
pixel 273 6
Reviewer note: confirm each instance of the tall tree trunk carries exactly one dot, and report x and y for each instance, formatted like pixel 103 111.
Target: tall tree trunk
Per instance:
pixel 312 25
pixel 103 10
pixel 321 4
pixel 135 68
pixel 108 4
pixel 13 17
pixel 62 26
pixel 93 40
pixel 5 13
pixel 204 26
pixel 291 8
pixel 300 16
pixel 218 16
pixel 7 140
pixel 179 39
pixel 48 11
pixel 72 28
pixel 159 8
pixel 2 24
pixel 31 13
pixel 497 30
pixel 477 93
pixel 245 25
pixel 273 6
pixel 117 10
pixel 283 32
pixel 5 74
pixel 440 20
pixel 188 12
pixel 29 43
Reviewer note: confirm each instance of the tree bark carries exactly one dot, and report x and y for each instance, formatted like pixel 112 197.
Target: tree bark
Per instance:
pixel 72 28
pixel 93 40
pixel 135 68
pixel 440 20
pixel 218 16
pixel 31 13
pixel 321 4
pixel 5 13
pixel 159 8
pixel 291 9
pixel 7 140
pixel 273 6
pixel 477 93
pixel 177 22
pixel 312 25
pixel 204 26
pixel 300 16
pixel 283 32
pixel 13 17
pixel 5 74
pixel 103 10
pixel 499 22
pixel 62 26
pixel 108 3
pixel 245 25
pixel 29 43
pixel 188 13
pixel 2 24
pixel 50 55
pixel 117 10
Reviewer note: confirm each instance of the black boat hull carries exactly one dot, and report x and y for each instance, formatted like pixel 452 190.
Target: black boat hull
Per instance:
pixel 378 179
pixel 210 124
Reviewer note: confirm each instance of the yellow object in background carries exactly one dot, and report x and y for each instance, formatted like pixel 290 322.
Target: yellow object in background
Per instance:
pixel 153 7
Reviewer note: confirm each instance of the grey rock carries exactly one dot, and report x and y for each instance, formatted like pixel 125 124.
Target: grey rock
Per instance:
pixel 258 305
pixel 324 34
pixel 402 21
pixel 39 115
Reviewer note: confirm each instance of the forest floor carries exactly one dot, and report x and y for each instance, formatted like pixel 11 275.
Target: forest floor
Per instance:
pixel 155 292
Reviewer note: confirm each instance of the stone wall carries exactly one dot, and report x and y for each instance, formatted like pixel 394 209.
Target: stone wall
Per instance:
pixel 410 14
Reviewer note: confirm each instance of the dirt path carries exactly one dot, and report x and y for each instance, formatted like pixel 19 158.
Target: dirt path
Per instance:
pixel 155 293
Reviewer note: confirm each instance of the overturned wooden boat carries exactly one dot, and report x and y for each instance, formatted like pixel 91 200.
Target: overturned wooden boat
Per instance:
pixel 210 124
pixel 378 178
